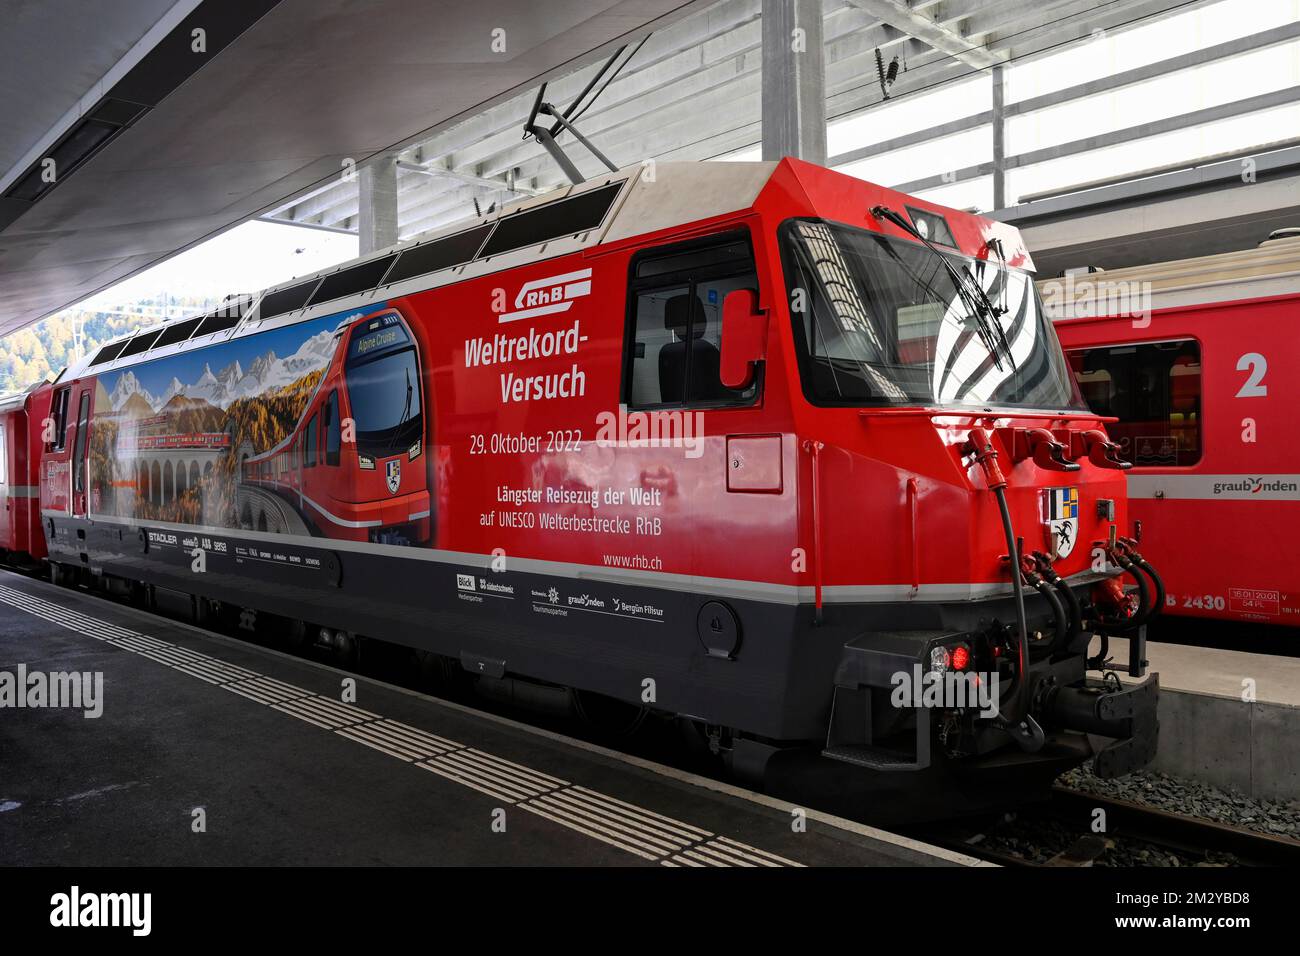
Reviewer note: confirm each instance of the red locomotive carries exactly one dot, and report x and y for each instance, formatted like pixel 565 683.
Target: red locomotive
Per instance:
pixel 1189 356
pixel 785 456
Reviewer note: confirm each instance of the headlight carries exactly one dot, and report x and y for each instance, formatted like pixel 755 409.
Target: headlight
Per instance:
pixel 367 464
pixel 413 452
pixel 938 660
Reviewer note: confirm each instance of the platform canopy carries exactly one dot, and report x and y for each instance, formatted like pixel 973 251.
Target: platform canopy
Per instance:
pixel 168 122
pixel 965 102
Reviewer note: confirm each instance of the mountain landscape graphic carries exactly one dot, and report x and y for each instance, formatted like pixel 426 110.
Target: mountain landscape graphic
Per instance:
pixel 129 398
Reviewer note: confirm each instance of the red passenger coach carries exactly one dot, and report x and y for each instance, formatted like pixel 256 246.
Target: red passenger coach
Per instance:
pixel 782 456
pixel 21 540
pixel 1195 358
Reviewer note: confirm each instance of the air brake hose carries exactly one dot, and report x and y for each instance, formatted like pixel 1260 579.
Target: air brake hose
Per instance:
pixel 1020 698
pixel 986 455
pixel 1143 611
pixel 1048 591
pixel 1103 652
pixel 1068 598
pixel 1158 600
pixel 1145 607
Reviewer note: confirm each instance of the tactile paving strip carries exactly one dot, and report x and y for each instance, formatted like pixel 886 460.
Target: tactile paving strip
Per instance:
pixel 636 830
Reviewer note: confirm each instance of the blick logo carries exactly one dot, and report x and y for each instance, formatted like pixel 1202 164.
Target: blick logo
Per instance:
pixel 548 296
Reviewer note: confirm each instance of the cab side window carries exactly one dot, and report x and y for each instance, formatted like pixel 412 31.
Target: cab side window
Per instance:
pixel 59 416
pixel 675 323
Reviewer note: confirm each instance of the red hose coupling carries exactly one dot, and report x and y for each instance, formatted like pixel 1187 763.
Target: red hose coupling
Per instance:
pixel 980 443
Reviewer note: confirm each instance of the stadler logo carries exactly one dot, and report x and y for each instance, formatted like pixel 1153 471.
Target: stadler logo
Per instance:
pixel 1253 486
pixel 550 295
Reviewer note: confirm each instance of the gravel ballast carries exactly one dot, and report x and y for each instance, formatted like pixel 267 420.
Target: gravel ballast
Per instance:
pixel 1192 798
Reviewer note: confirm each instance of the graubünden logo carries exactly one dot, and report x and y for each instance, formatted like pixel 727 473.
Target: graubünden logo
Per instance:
pixel 1253 486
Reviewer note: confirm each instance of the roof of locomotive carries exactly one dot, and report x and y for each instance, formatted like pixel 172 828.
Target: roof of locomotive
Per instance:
pixel 16 399
pixel 637 200
pixel 1269 269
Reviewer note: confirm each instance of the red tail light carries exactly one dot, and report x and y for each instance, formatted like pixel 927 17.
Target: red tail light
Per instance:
pixel 960 657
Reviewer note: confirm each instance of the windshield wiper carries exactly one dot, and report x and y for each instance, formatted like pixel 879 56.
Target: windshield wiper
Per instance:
pixel 969 290
pixel 1002 308
pixel 406 415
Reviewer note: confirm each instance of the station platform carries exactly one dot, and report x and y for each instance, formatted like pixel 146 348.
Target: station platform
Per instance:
pixel 1227 718
pixel 210 751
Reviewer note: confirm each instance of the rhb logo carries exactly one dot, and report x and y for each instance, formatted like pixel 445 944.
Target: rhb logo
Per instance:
pixel 549 296
pixel 393 472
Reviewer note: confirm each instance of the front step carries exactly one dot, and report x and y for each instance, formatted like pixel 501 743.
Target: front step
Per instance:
pixel 850 737
pixel 873 758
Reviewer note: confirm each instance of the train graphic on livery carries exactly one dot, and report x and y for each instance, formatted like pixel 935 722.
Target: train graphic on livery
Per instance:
pixel 848 451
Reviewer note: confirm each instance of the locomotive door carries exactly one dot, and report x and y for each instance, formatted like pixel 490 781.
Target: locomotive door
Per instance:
pixel 80 454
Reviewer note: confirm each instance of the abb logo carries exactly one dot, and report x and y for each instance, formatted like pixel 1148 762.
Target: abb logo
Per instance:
pixel 549 296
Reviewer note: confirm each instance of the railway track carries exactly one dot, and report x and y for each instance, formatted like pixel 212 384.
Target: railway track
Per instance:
pixel 1060 833
pixel 1184 835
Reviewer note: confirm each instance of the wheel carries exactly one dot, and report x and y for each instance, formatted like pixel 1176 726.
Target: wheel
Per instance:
pixel 347 650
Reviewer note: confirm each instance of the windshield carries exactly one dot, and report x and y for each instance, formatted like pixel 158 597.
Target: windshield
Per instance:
pixel 880 321
pixel 385 397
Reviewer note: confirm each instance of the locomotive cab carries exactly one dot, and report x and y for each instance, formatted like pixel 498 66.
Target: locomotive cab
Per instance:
pixel 939 415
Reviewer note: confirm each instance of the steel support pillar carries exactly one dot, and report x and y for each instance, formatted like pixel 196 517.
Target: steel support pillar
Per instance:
pixel 377 210
pixel 999 148
pixel 794 81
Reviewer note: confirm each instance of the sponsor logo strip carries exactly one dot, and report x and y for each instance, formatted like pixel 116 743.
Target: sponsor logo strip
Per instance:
pixel 627 826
